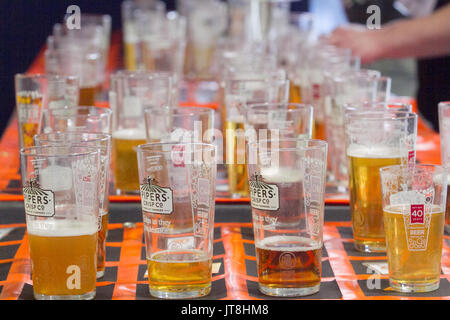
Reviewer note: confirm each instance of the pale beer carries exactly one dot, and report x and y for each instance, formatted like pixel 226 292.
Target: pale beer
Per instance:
pixel 414 250
pixel 124 158
pixel 365 196
pixel 235 158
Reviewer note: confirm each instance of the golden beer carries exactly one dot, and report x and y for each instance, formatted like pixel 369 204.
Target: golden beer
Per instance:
pixel 130 56
pixel 101 247
pixel 414 268
pixel 365 198
pixel 64 259
pixel 235 158
pixel 318 131
pixel 288 262
pixel 180 272
pixel 295 93
pixel 124 158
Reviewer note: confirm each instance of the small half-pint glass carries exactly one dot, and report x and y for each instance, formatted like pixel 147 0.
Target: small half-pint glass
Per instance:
pixel 287 187
pixel 61 190
pixel 177 187
pixel 414 213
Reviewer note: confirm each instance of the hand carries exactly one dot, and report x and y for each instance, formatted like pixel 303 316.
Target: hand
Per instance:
pixel 364 43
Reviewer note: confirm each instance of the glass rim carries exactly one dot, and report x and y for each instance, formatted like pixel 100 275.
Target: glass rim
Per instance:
pixel 104 110
pixel 298 106
pixel 312 144
pixel 444 104
pixel 150 147
pixel 142 74
pixel 380 115
pixel 411 167
pixel 20 76
pixel 100 136
pixel 345 74
pixel 191 110
pixel 34 151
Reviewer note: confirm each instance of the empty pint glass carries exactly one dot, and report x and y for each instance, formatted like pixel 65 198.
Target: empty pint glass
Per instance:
pixel 61 185
pixel 414 213
pixel 130 94
pixel 180 124
pixel 77 119
pixel 177 186
pixel 374 139
pixel 444 128
pixel 36 93
pixel 271 120
pixel 287 186
pixel 102 141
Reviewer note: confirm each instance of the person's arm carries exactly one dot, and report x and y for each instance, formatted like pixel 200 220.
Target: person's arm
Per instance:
pixel 417 38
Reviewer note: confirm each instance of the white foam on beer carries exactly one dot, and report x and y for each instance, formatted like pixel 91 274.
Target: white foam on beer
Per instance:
pixel 129 134
pixel 62 228
pixel 378 152
pixel 406 208
pixel 288 243
pixel 281 175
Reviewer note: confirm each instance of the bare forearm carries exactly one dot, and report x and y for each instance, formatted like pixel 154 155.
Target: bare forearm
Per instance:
pixel 418 38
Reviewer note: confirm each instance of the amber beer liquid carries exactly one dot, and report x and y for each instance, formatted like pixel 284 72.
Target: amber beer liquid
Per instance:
pixel 101 247
pixel 63 259
pixel 414 250
pixel 124 158
pixel 235 158
pixel 287 265
pixel 88 95
pixel 178 271
pixel 365 197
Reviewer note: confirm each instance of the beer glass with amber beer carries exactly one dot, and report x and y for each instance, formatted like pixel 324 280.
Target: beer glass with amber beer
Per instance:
pixel 102 141
pixel 287 187
pixel 239 92
pixel 414 199
pixel 444 128
pixel 177 186
pixel 61 198
pixel 374 139
pixel 36 93
pixel 130 94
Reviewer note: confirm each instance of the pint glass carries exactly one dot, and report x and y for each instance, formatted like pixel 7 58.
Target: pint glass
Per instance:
pixel 36 93
pixel 260 88
pixel 61 204
pixel 177 186
pixel 270 120
pixel 287 186
pixel 130 94
pixel 444 128
pixel 374 140
pixel 101 141
pixel 77 119
pixel 180 124
pixel 414 199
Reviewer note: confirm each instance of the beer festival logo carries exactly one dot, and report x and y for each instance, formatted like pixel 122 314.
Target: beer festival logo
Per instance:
pixel 263 196
pixel 156 199
pixel 38 202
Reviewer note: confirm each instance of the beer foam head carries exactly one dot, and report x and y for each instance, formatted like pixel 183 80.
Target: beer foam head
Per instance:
pixel 373 152
pixel 62 228
pixel 129 134
pixel 281 175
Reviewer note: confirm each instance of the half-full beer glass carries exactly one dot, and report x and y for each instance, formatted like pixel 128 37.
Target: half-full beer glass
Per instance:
pixel 374 139
pixel 61 185
pixel 177 186
pixel 444 128
pixel 102 141
pixel 414 215
pixel 287 187
pixel 130 94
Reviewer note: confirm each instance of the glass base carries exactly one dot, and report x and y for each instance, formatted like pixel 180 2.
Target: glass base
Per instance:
pixel 288 292
pixel 86 296
pixel 181 294
pixel 369 247
pixel 413 287
pixel 100 274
